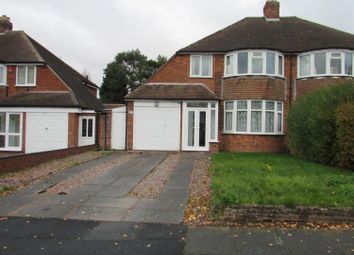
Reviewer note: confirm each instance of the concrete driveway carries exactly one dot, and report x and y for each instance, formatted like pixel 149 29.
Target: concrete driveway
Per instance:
pixel 105 197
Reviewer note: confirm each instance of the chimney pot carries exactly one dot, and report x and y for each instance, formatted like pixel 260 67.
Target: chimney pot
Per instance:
pixel 5 24
pixel 271 10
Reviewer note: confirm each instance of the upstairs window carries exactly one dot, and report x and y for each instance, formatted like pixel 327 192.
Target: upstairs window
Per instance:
pixel 254 63
pixel 326 63
pixel 201 66
pixel 2 75
pixel 26 76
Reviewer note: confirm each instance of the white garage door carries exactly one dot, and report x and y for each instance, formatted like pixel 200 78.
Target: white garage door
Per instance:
pixel 118 128
pixel 46 131
pixel 156 126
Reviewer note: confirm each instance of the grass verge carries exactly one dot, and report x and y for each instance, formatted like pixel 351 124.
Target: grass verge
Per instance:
pixel 278 179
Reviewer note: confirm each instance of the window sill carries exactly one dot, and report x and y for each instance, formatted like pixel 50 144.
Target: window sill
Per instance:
pixel 3 85
pixel 258 134
pixel 325 76
pixel 25 85
pixel 11 149
pixel 257 75
pixel 201 77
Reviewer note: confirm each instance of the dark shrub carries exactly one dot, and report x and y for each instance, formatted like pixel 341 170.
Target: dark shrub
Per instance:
pixel 312 123
pixel 345 135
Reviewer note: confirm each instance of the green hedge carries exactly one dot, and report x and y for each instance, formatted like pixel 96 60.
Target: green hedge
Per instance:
pixel 345 135
pixel 314 131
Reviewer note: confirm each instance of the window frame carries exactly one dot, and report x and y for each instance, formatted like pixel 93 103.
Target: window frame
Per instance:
pixel 200 75
pixel 4 77
pixel 328 72
pixel 250 58
pixel 7 132
pixel 249 111
pixel 27 84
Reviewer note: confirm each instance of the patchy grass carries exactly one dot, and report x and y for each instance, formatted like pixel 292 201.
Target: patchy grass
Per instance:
pixel 4 189
pixel 278 179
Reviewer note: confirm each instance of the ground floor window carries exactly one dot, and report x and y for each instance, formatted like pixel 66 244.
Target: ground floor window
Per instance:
pixel 10 131
pixel 253 117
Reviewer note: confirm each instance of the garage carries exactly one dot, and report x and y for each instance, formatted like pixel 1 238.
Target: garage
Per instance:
pixel 46 131
pixel 156 125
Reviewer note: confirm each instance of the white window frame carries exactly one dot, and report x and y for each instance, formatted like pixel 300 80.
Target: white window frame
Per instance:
pixel 7 133
pixel 26 83
pixel 328 61
pixel 4 77
pixel 200 75
pixel 250 58
pixel 233 116
pixel 87 140
pixel 249 110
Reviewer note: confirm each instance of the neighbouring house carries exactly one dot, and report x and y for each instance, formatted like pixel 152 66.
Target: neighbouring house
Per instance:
pixel 45 105
pixel 231 91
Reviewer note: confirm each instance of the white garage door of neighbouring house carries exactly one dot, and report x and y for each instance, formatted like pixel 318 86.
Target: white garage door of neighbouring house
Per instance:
pixel 156 126
pixel 46 131
pixel 118 128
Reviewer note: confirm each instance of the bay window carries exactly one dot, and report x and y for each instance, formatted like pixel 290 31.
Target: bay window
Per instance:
pixel 253 117
pixel 3 75
pixel 10 131
pixel 201 66
pixel 326 63
pixel 26 76
pixel 254 63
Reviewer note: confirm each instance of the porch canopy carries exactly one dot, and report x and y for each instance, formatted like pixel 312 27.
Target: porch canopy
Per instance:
pixel 172 91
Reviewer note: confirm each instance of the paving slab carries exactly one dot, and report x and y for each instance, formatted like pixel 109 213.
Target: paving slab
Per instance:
pixel 126 202
pixel 97 213
pixel 154 216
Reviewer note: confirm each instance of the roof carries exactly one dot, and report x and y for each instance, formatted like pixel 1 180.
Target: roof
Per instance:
pixel 288 35
pixel 172 91
pixel 40 99
pixel 18 47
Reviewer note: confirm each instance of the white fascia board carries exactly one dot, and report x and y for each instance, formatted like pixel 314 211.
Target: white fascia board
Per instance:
pixel 40 109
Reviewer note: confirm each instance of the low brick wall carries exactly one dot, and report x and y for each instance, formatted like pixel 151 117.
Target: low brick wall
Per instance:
pixel 299 214
pixel 20 162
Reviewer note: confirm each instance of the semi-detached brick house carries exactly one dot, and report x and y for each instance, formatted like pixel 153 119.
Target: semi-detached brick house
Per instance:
pixel 45 105
pixel 232 90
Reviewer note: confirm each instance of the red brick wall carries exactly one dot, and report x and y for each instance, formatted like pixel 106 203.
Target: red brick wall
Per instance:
pixel 253 143
pixel 254 87
pixel 73 134
pixel 178 70
pixel 46 81
pixel 17 163
pixel 306 86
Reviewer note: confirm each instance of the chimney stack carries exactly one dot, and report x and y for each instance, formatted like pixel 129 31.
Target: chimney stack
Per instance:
pixel 271 10
pixel 5 24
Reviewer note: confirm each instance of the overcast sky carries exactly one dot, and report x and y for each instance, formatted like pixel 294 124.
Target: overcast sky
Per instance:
pixel 87 34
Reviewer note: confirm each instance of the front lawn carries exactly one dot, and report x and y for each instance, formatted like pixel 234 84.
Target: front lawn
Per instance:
pixel 278 179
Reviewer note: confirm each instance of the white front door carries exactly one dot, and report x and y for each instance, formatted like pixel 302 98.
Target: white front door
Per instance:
pixel 196 130
pixel 87 130
pixel 199 125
